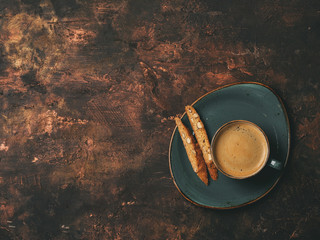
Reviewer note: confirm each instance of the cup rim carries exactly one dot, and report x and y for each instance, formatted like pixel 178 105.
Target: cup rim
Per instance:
pixel 232 122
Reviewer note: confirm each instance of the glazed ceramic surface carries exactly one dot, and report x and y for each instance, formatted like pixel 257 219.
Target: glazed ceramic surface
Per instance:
pixel 243 101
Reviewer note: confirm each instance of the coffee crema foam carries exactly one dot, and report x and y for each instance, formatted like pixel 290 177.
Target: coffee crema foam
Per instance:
pixel 240 149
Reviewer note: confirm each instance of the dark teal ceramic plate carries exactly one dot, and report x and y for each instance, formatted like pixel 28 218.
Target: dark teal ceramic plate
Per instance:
pixel 246 101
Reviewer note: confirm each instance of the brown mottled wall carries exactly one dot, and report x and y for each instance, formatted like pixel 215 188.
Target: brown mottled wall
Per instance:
pixel 87 94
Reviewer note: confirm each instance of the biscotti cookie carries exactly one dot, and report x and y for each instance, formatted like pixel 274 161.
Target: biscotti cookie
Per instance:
pixel 203 141
pixel 193 151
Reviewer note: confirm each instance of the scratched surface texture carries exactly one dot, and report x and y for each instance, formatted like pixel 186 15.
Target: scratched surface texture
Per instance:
pixel 88 90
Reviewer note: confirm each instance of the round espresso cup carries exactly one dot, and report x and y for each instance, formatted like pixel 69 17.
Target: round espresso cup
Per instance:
pixel 240 149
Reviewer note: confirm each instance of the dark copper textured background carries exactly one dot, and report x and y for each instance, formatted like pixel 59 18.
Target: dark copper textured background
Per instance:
pixel 88 90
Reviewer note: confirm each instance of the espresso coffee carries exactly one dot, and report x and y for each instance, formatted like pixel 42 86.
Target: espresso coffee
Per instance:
pixel 240 149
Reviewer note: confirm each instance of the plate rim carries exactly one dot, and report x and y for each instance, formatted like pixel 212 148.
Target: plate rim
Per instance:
pixel 285 163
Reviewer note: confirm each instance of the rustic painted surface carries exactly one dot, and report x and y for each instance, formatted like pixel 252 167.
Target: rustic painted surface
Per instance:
pixel 88 90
